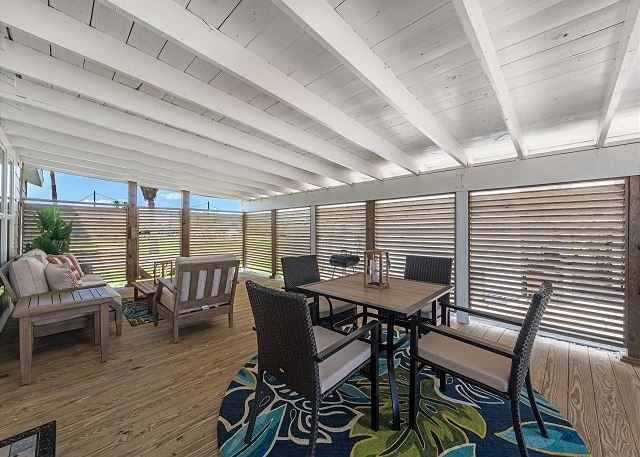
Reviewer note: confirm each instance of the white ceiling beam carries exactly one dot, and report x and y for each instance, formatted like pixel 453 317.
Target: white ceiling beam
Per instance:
pixel 175 22
pixel 47 120
pixel 322 22
pixel 85 168
pixel 82 110
pixel 475 27
pixel 6 144
pixel 57 28
pixel 16 131
pixel 29 62
pixel 626 58
pixel 122 161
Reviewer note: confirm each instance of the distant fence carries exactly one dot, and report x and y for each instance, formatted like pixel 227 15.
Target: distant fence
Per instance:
pixel 99 236
pixel 215 232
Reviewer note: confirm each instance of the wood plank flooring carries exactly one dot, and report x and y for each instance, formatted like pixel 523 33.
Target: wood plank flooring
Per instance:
pixel 156 398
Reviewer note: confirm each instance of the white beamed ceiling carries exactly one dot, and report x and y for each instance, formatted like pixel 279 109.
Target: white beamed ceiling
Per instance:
pixel 556 57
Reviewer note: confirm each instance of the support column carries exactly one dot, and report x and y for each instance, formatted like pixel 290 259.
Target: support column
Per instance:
pixel 274 255
pixel 370 225
pixel 185 224
pixel 632 272
pixel 132 233
pixel 312 229
pixel 462 254
pixel 244 240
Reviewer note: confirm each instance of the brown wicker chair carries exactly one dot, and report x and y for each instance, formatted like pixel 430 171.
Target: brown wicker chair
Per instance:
pixel 431 269
pixel 304 269
pixel 311 360
pixel 493 367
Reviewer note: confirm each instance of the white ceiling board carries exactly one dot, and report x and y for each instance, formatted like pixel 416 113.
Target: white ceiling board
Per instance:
pixel 67 56
pixel 29 40
pixel 145 40
pixel 127 80
pixel 295 55
pixel 212 12
pixel 77 9
pixel 202 70
pixel 108 21
pixel 626 123
pixel 176 56
pixel 278 34
pixel 578 28
pixel 152 90
pixel 98 69
pixel 248 19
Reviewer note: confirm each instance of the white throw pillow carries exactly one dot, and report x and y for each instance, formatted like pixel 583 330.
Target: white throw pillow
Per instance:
pixel 37 254
pixel 27 277
pixel 59 277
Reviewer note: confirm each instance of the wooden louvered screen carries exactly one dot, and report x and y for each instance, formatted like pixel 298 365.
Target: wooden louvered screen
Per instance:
pixel 215 232
pixel 573 235
pixel 339 227
pixel 99 236
pixel 417 226
pixel 257 241
pixel 293 233
pixel 159 236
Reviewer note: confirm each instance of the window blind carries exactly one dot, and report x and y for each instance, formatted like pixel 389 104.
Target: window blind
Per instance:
pixel 216 232
pixel 257 241
pixel 339 227
pixel 416 226
pixel 571 234
pixel 293 233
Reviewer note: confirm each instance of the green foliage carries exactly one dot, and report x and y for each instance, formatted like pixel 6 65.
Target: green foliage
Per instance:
pixel 55 233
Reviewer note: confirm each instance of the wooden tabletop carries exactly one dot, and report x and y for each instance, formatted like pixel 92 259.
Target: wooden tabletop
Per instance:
pixel 57 301
pixel 403 296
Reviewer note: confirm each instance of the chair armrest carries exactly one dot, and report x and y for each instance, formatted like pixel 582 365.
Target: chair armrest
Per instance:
pixel 477 342
pixel 482 314
pixel 348 339
pixel 168 284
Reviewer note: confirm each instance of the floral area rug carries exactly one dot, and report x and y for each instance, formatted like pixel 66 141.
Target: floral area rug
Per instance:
pixel 136 312
pixel 464 421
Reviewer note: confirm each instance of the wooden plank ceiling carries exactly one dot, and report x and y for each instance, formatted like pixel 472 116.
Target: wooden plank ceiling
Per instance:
pixel 287 110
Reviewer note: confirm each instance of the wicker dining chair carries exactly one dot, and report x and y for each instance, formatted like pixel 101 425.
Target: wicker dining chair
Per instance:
pixel 311 360
pixel 304 269
pixel 497 368
pixel 431 269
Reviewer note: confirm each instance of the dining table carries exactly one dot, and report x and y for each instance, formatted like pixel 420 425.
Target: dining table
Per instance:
pixel 399 303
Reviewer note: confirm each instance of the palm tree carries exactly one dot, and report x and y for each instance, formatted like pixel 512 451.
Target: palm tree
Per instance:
pixel 149 194
pixel 54 188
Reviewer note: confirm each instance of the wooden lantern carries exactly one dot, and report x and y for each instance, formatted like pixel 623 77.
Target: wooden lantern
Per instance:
pixel 376 269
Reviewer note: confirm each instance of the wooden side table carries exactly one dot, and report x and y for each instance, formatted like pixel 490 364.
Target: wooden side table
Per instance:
pixel 62 305
pixel 148 289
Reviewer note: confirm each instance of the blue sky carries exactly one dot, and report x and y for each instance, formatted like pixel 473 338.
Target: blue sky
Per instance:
pixel 79 188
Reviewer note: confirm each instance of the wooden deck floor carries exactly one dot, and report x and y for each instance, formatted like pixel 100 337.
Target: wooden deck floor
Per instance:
pixel 156 398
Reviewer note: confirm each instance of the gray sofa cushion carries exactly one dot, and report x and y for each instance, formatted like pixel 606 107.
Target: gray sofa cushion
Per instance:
pixel 27 276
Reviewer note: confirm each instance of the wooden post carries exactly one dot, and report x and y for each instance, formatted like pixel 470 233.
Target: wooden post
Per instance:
pixel 462 254
pixel 370 224
pixel 312 229
pixel 244 240
pixel 132 233
pixel 632 272
pixel 274 254
pixel 185 224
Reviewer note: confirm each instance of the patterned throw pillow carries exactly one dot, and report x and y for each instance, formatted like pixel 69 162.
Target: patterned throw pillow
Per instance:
pixel 65 259
pixel 75 262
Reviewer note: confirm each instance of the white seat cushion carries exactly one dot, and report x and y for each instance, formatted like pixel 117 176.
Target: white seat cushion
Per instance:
pixel 92 280
pixel 470 361
pixel 342 363
pixel 167 299
pixel 338 307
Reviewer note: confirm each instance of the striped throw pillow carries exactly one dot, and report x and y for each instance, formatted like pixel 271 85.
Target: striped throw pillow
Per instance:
pixel 65 259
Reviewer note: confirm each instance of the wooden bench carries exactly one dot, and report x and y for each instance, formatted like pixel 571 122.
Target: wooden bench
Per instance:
pixel 55 306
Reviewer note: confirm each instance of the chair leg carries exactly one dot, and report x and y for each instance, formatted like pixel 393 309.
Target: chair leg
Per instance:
pixel 517 426
pixel 534 406
pixel 443 381
pixel 175 330
pixel 375 381
pixel 230 319
pixel 253 408
pixel 313 433
pixel 118 311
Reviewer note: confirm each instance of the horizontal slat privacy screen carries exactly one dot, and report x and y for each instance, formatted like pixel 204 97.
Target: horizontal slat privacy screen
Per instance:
pixel 258 241
pixel 215 232
pixel 293 233
pixel 339 227
pixel 159 237
pixel 99 236
pixel 573 235
pixel 416 226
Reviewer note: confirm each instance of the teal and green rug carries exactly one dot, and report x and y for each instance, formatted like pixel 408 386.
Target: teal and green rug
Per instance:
pixel 463 422
pixel 136 312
